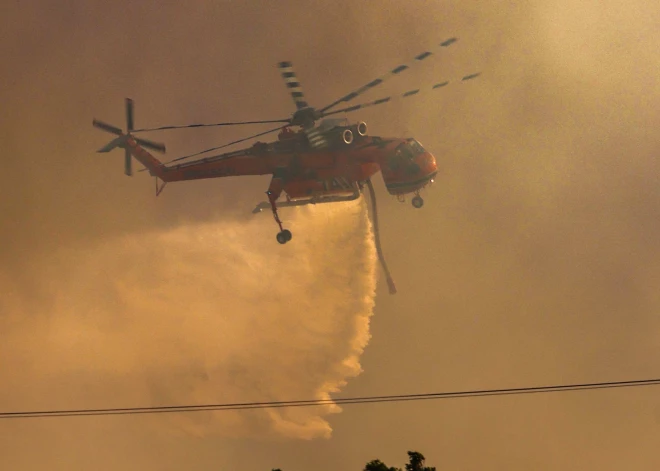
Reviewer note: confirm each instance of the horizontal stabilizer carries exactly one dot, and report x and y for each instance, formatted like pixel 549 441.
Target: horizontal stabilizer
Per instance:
pixel 118 142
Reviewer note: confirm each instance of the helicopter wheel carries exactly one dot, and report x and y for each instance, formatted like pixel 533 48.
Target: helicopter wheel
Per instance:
pixel 284 236
pixel 417 202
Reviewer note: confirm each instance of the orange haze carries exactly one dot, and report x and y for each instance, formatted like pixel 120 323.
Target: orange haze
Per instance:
pixel 534 261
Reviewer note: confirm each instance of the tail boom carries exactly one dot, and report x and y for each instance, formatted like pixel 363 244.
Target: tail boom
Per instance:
pixel 128 142
pixel 155 166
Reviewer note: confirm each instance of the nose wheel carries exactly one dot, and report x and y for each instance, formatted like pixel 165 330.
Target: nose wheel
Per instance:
pixel 284 236
pixel 418 202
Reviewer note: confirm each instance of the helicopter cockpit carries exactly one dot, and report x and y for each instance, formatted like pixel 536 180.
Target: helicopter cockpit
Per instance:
pixel 415 146
pixel 404 155
pixel 408 168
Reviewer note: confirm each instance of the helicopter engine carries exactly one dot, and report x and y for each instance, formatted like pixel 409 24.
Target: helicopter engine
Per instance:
pixel 359 130
pixel 340 135
pixel 347 136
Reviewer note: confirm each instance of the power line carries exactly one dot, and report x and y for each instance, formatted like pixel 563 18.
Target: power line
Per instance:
pixel 327 402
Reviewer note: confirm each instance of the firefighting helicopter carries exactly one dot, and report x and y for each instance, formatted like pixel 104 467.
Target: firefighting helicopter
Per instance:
pixel 325 163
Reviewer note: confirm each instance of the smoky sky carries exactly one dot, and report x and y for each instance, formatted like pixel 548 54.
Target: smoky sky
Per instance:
pixel 163 319
pixel 534 260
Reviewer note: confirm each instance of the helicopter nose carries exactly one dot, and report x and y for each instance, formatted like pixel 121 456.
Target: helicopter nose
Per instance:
pixel 427 163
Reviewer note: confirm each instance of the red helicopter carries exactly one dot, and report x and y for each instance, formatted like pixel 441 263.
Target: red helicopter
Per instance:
pixel 325 163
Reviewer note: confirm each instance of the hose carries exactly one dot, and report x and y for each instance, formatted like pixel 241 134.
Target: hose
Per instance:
pixel 379 250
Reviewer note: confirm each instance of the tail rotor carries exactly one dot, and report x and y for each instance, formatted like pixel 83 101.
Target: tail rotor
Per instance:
pixel 121 140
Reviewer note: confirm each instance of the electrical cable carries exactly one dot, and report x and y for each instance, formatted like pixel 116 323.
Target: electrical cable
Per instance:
pixel 327 402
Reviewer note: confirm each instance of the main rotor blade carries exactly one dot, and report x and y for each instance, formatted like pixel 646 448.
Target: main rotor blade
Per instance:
pixel 222 146
pixel 129 115
pixel 107 127
pixel 395 71
pixel 470 77
pixel 157 146
pixel 407 94
pixel 292 83
pixel 229 123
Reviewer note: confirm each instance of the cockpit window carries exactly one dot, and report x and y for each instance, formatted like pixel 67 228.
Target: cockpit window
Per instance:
pixel 405 154
pixel 404 151
pixel 416 147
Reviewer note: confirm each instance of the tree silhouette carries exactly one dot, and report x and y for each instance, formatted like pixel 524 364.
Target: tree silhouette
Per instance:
pixel 378 465
pixel 415 463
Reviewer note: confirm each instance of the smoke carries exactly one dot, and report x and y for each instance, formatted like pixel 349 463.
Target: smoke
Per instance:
pixel 203 313
pixel 533 261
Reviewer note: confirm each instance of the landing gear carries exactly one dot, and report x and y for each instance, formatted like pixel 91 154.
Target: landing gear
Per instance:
pixel 417 202
pixel 274 191
pixel 284 236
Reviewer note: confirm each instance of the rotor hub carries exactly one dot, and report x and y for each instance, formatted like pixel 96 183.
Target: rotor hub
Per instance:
pixel 305 117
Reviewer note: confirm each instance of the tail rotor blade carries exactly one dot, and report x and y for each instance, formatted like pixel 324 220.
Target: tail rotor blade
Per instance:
pixel 124 138
pixel 127 163
pixel 107 127
pixel 128 167
pixel 129 115
pixel 157 146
